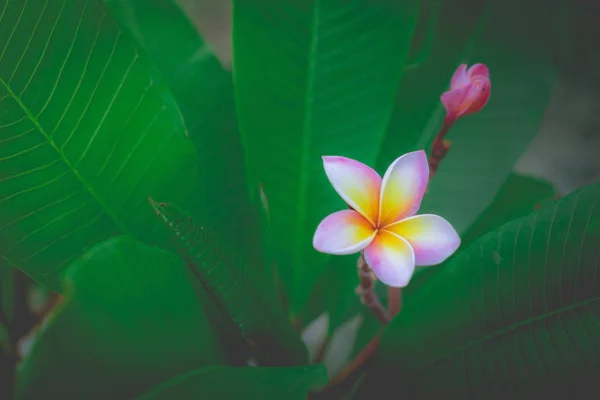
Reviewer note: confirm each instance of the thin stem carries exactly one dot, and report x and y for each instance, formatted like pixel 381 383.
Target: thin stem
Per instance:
pixel 320 354
pixel 394 301
pixel 367 293
pixel 369 298
pixel 440 147
pixel 359 360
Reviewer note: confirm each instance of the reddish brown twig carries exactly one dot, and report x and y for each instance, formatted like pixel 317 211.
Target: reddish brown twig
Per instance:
pixel 440 147
pixel 369 298
pixel 394 301
pixel 357 361
pixel 367 293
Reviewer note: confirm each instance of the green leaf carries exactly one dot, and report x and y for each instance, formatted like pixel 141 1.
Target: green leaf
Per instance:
pixel 235 383
pixel 485 145
pixel 202 88
pixel 271 274
pixel 425 33
pixel 517 310
pixel 335 292
pixel 237 290
pixel 519 196
pixel 418 112
pixel 88 131
pixel 129 321
pixel 204 93
pixel 312 79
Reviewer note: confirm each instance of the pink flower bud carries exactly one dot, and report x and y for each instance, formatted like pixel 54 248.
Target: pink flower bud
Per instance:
pixel 469 91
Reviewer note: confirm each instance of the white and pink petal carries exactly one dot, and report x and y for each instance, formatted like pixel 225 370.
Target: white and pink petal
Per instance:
pixel 478 70
pixel 391 258
pixel 432 238
pixel 343 232
pixel 403 187
pixel 358 184
pixel 460 77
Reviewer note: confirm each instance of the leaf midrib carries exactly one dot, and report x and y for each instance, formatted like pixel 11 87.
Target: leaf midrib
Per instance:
pixel 71 167
pixel 306 129
pixel 513 327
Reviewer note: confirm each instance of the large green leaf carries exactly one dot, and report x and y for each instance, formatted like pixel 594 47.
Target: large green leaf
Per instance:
pixel 241 292
pixel 486 145
pixel 234 383
pixel 334 293
pixel 517 310
pixel 519 196
pixel 130 320
pixel 448 28
pixel 204 94
pixel 418 112
pixel 202 88
pixel 87 132
pixel 313 78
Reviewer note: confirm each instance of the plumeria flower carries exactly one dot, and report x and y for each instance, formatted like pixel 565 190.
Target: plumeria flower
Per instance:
pixel 382 221
pixel 469 91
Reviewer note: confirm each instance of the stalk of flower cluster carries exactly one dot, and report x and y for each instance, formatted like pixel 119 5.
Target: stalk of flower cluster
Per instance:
pixel 366 290
pixel 362 357
pixel 469 92
pixel 440 147
pixel 394 301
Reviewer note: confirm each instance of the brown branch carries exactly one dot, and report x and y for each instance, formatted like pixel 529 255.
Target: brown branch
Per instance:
pixel 369 298
pixel 359 360
pixel 440 147
pixel 367 293
pixel 320 353
pixel 394 301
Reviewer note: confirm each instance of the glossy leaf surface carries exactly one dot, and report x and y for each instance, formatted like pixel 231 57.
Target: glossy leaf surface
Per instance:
pixel 486 145
pixel 203 90
pixel 87 132
pixel 130 320
pixel 518 310
pixel 312 79
pixel 520 195
pixel 242 294
pixel 234 383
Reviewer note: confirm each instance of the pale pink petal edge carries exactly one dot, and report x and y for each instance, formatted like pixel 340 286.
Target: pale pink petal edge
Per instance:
pixel 393 276
pixel 417 157
pixel 373 180
pixel 459 78
pixel 453 99
pixel 478 69
pixel 446 242
pixel 331 231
